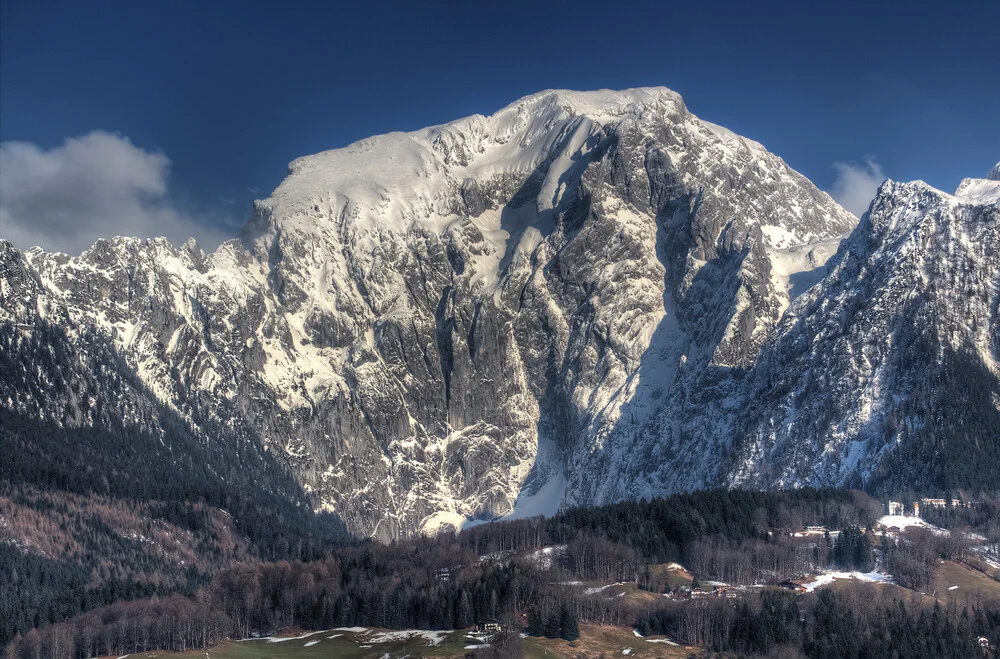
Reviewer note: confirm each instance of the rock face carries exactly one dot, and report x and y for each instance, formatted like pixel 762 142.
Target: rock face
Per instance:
pixel 888 373
pixel 581 298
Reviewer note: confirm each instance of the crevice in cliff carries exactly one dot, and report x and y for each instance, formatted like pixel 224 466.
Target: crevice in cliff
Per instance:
pixel 445 324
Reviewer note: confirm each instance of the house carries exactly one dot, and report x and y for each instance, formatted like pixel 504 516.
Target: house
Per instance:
pixel 443 574
pixel 934 503
pixel 815 530
pixel 489 626
pixel 984 642
pixel 895 508
pixel 793 585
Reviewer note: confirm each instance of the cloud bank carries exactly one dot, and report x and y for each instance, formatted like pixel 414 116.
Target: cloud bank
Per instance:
pixel 95 186
pixel 856 184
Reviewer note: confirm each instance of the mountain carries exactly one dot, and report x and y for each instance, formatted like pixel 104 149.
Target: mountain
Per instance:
pixel 583 298
pixel 887 374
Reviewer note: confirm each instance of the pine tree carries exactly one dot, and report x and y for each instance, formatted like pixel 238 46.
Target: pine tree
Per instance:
pixel 568 627
pixel 552 625
pixel 536 626
pixel 463 615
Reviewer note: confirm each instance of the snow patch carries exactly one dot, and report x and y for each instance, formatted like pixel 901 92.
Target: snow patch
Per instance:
pixel 283 639
pixel 543 502
pixel 829 577
pixel 597 589
pixel 442 520
pixel 432 636
pixel 979 191
pixel 798 267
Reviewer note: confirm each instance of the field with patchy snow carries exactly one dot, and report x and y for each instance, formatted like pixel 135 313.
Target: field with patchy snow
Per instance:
pixel 359 642
pixel 342 643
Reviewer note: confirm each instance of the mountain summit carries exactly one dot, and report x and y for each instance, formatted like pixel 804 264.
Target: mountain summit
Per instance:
pixel 585 297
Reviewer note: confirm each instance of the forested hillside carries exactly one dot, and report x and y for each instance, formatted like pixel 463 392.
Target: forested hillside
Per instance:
pixel 122 498
pixel 545 576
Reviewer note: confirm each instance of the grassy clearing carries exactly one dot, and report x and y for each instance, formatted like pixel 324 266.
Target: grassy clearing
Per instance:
pixel 594 641
pixel 957 581
pixel 604 640
pixel 331 643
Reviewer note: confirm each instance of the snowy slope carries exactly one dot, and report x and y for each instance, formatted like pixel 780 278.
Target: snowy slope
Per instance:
pixel 894 357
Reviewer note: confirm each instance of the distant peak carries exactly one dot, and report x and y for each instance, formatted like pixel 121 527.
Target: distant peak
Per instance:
pixel 981 190
pixel 603 101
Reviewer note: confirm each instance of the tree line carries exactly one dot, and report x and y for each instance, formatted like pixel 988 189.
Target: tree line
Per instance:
pixel 856 621
pixel 454 581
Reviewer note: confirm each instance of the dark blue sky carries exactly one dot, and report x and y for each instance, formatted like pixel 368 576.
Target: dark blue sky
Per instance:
pixel 232 91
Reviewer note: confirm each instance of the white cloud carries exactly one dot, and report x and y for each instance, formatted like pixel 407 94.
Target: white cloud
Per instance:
pixel 94 186
pixel 856 184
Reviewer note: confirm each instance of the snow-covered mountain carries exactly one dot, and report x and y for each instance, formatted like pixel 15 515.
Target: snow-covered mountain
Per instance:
pixel 581 298
pixel 889 372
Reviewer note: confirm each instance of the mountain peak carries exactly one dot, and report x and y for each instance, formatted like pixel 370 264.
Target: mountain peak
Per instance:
pixel 981 190
pixel 603 102
pixel 428 177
